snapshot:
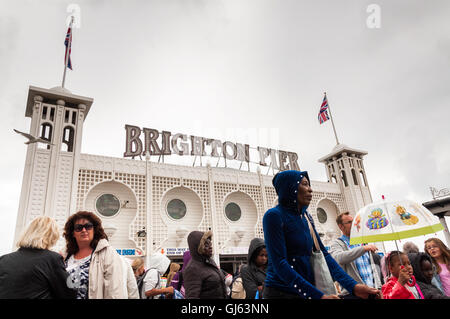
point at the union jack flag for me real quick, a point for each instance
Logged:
(323, 113)
(68, 44)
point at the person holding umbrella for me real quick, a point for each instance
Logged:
(357, 260)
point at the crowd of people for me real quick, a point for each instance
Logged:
(291, 262)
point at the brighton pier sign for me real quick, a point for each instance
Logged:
(164, 143)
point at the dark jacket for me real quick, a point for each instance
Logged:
(289, 243)
(34, 274)
(251, 275)
(202, 278)
(429, 291)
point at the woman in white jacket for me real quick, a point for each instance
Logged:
(95, 268)
(130, 284)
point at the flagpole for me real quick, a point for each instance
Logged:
(69, 45)
(332, 122)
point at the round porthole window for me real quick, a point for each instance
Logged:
(321, 215)
(233, 212)
(176, 209)
(107, 205)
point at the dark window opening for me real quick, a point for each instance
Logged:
(74, 117)
(344, 178)
(46, 134)
(363, 178)
(52, 114)
(355, 180)
(44, 112)
(68, 138)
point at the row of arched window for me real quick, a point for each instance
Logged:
(354, 177)
(67, 142)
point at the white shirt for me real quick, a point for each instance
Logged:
(151, 281)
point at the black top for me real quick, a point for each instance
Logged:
(32, 273)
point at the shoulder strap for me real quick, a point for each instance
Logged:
(313, 234)
(180, 280)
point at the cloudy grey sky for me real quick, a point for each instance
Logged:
(253, 70)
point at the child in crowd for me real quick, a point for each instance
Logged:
(440, 255)
(401, 283)
(424, 272)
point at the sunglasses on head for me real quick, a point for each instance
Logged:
(79, 227)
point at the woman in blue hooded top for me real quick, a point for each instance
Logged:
(289, 245)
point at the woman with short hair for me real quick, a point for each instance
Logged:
(94, 266)
(34, 271)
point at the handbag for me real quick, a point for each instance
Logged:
(322, 277)
(177, 294)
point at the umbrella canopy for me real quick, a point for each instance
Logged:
(392, 220)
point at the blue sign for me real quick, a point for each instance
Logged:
(126, 252)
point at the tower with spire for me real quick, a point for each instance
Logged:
(345, 166)
(51, 170)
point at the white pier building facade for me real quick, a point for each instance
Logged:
(149, 206)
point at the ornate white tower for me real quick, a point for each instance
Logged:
(344, 166)
(51, 171)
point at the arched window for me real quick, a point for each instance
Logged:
(46, 134)
(363, 177)
(344, 178)
(68, 138)
(355, 180)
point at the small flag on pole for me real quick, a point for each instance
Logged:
(323, 113)
(68, 44)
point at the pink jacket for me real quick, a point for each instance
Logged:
(392, 289)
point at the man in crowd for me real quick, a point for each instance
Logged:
(359, 261)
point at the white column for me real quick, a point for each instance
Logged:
(148, 213)
(214, 229)
(263, 196)
(446, 232)
(55, 149)
(28, 171)
(76, 157)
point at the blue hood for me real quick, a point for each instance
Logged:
(286, 185)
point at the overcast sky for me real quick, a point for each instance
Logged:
(249, 70)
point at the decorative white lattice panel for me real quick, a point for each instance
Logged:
(38, 186)
(161, 185)
(255, 193)
(158, 228)
(271, 196)
(137, 183)
(221, 191)
(202, 190)
(86, 180)
(63, 189)
(337, 199)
